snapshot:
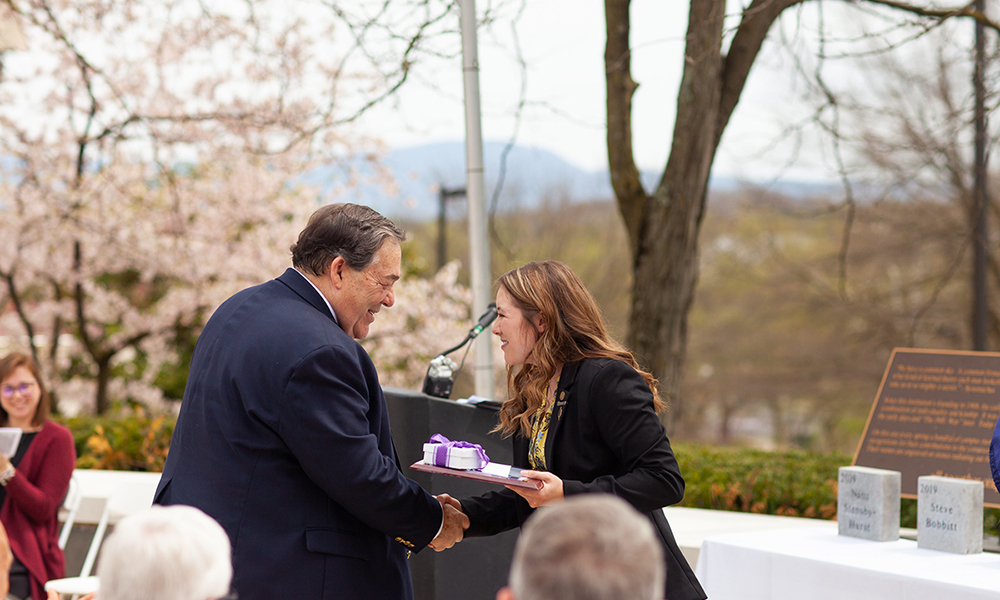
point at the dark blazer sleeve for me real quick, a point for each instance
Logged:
(621, 410)
(502, 510)
(324, 420)
(493, 513)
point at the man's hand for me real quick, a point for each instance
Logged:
(454, 526)
(446, 499)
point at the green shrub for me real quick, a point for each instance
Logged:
(795, 483)
(134, 443)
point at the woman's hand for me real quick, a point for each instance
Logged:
(4, 463)
(551, 491)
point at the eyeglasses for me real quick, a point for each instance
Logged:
(7, 391)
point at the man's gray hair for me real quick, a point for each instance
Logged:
(352, 231)
(592, 547)
(165, 553)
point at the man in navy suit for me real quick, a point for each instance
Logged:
(283, 436)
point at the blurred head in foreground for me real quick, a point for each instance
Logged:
(593, 547)
(165, 553)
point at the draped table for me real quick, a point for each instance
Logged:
(818, 564)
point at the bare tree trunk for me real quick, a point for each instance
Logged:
(779, 421)
(663, 227)
(15, 298)
(103, 377)
(727, 408)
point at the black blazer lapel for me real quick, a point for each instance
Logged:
(563, 395)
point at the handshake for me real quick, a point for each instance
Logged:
(454, 525)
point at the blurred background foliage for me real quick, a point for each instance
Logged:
(789, 333)
(791, 330)
(132, 442)
(795, 483)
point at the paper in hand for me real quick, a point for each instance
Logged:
(502, 470)
(10, 437)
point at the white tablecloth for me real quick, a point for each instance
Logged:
(818, 564)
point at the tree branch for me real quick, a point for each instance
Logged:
(21, 314)
(625, 179)
(750, 35)
(968, 10)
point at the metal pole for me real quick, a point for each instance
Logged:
(444, 194)
(479, 251)
(442, 223)
(979, 200)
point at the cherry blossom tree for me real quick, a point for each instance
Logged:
(151, 161)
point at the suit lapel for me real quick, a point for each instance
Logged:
(298, 284)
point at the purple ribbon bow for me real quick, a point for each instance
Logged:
(441, 452)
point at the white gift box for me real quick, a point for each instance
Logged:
(457, 458)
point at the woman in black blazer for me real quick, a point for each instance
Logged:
(581, 412)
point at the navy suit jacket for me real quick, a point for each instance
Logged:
(283, 437)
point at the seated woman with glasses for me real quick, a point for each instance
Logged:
(34, 481)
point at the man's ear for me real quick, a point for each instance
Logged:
(505, 593)
(338, 271)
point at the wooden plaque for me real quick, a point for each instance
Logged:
(934, 415)
(533, 484)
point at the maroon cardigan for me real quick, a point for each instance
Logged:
(30, 512)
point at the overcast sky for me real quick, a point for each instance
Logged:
(562, 43)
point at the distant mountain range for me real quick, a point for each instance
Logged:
(531, 177)
(405, 183)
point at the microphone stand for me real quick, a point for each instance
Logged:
(442, 371)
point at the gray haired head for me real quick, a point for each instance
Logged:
(166, 553)
(351, 231)
(592, 547)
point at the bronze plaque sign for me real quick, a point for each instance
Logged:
(934, 415)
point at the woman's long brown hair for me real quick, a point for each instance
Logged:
(574, 330)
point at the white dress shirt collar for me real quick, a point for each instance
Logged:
(327, 302)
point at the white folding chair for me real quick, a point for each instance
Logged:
(73, 586)
(71, 504)
(126, 499)
(85, 583)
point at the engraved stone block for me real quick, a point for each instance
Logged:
(950, 514)
(868, 503)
